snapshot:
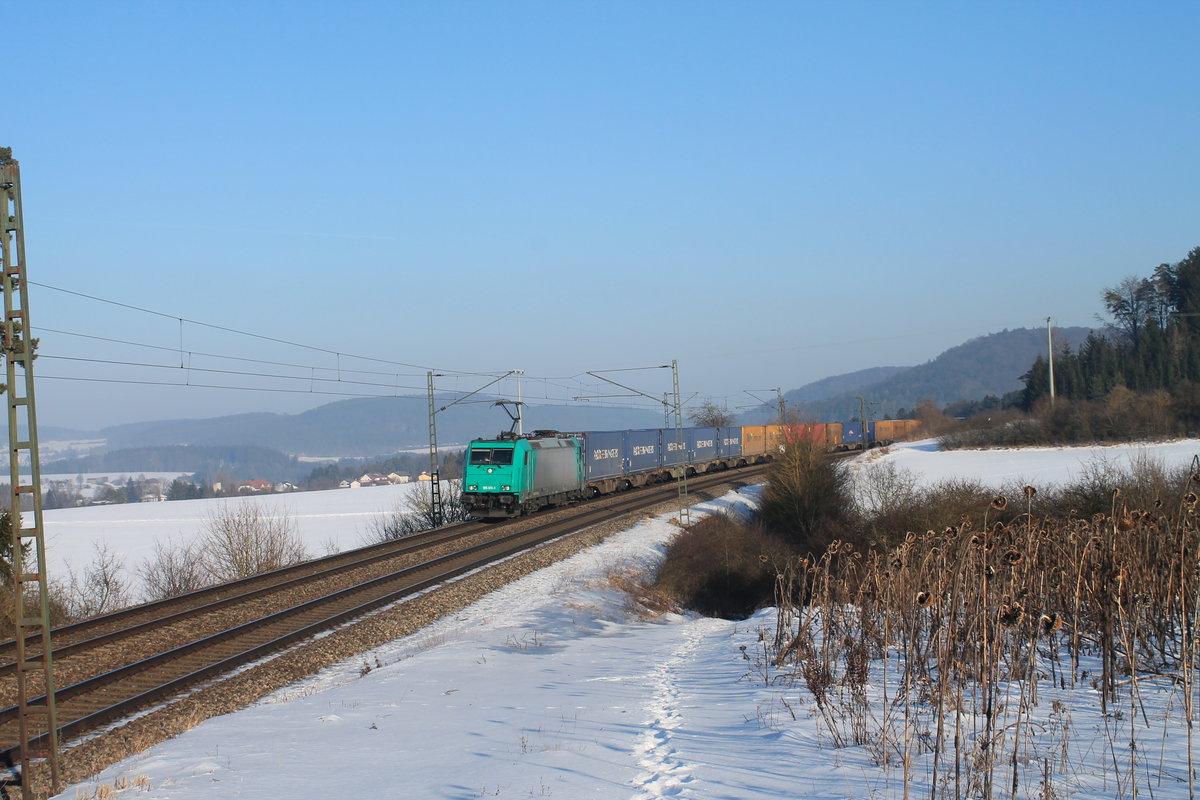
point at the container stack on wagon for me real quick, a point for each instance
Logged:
(512, 475)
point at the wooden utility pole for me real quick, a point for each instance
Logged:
(1050, 348)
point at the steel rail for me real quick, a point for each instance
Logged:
(367, 556)
(494, 550)
(347, 559)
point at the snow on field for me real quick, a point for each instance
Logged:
(327, 521)
(551, 687)
(1035, 466)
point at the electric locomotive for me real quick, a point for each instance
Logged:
(513, 475)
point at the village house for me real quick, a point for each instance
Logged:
(373, 479)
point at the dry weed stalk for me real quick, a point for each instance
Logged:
(977, 618)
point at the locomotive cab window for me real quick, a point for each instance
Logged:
(484, 455)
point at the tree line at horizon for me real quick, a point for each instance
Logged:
(210, 466)
(1151, 344)
(1138, 378)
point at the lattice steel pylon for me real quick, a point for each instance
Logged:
(37, 720)
(685, 514)
(436, 512)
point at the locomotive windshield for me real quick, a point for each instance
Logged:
(484, 455)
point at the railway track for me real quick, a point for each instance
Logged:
(110, 667)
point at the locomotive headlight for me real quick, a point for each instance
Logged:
(472, 488)
(490, 470)
(506, 488)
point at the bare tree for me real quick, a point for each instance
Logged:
(415, 513)
(420, 503)
(174, 569)
(244, 539)
(933, 420)
(390, 525)
(101, 587)
(1135, 303)
(711, 415)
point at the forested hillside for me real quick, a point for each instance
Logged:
(1138, 378)
(1152, 345)
(840, 385)
(987, 365)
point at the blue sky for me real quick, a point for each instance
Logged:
(770, 193)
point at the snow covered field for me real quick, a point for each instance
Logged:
(552, 687)
(1036, 466)
(328, 521)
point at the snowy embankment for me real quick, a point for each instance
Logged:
(554, 687)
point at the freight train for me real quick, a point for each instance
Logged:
(513, 475)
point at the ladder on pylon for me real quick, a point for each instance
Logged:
(436, 512)
(685, 514)
(37, 719)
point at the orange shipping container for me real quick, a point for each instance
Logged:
(890, 430)
(833, 434)
(754, 440)
(776, 439)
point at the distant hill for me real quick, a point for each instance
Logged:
(366, 426)
(239, 460)
(840, 384)
(986, 365)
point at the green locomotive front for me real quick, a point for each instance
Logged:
(513, 475)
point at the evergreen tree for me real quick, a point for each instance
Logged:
(6, 546)
(1037, 383)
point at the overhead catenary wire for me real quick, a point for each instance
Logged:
(228, 329)
(42, 329)
(570, 386)
(192, 368)
(219, 386)
(338, 354)
(311, 391)
(310, 378)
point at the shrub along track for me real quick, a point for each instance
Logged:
(174, 663)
